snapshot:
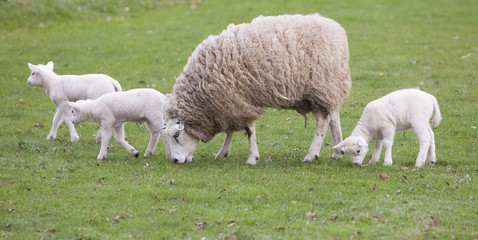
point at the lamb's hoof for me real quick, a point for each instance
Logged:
(252, 161)
(338, 154)
(221, 156)
(148, 154)
(310, 158)
(100, 157)
(190, 159)
(387, 164)
(74, 139)
(50, 137)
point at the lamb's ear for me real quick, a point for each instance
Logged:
(73, 105)
(31, 66)
(340, 145)
(362, 143)
(50, 65)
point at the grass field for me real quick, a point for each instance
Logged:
(57, 189)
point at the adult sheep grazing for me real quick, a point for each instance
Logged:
(63, 88)
(284, 62)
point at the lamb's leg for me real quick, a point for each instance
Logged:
(153, 140)
(421, 131)
(387, 144)
(226, 146)
(119, 137)
(98, 135)
(66, 111)
(106, 132)
(336, 132)
(253, 150)
(431, 158)
(376, 153)
(57, 119)
(321, 124)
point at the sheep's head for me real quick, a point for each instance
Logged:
(181, 144)
(38, 73)
(356, 147)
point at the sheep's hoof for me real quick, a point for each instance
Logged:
(252, 161)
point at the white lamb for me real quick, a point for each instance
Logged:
(63, 88)
(112, 110)
(382, 118)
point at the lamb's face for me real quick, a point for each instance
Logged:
(181, 144)
(357, 149)
(77, 114)
(37, 76)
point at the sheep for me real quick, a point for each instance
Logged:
(63, 88)
(291, 62)
(112, 110)
(382, 118)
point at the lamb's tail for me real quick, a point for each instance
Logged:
(437, 115)
(117, 86)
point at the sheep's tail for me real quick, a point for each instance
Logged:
(117, 86)
(437, 115)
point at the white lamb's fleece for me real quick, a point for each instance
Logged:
(382, 118)
(112, 110)
(296, 62)
(63, 88)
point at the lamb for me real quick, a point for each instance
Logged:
(291, 62)
(397, 111)
(112, 110)
(63, 88)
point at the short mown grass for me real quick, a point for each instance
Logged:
(57, 189)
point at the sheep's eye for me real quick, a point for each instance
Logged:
(33, 73)
(358, 151)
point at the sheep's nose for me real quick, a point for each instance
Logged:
(358, 164)
(175, 160)
(343, 152)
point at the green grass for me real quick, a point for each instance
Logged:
(57, 189)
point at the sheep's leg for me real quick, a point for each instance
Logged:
(119, 137)
(387, 145)
(321, 124)
(226, 146)
(106, 132)
(336, 132)
(153, 140)
(253, 150)
(431, 158)
(66, 111)
(421, 131)
(57, 119)
(376, 152)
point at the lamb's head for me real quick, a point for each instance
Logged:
(356, 147)
(78, 111)
(181, 144)
(39, 73)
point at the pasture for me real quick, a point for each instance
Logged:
(57, 189)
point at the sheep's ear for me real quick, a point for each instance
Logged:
(340, 145)
(179, 125)
(50, 65)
